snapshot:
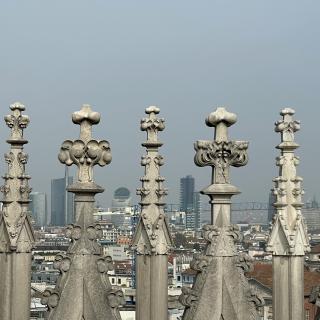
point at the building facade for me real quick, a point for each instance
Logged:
(190, 202)
(186, 193)
(121, 199)
(62, 206)
(38, 208)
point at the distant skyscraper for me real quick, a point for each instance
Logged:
(38, 208)
(197, 209)
(190, 202)
(186, 193)
(121, 199)
(61, 202)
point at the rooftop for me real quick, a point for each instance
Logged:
(263, 273)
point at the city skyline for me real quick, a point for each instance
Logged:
(160, 160)
(224, 267)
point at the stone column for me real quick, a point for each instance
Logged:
(16, 234)
(288, 240)
(83, 290)
(221, 291)
(152, 239)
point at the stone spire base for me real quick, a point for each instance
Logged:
(220, 290)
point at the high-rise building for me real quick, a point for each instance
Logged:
(197, 209)
(186, 193)
(190, 202)
(62, 204)
(38, 208)
(121, 199)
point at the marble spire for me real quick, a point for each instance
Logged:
(83, 291)
(152, 239)
(288, 241)
(16, 233)
(221, 290)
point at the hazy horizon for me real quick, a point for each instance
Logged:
(186, 57)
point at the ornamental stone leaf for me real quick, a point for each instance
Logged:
(221, 155)
(115, 297)
(9, 158)
(200, 262)
(288, 235)
(50, 298)
(152, 123)
(105, 264)
(62, 263)
(189, 297)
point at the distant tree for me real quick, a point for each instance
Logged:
(180, 240)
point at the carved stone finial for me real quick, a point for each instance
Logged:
(152, 109)
(221, 115)
(287, 126)
(85, 152)
(16, 189)
(288, 236)
(152, 125)
(221, 153)
(287, 111)
(16, 121)
(221, 119)
(86, 118)
(219, 267)
(16, 232)
(152, 191)
(288, 241)
(152, 239)
(84, 269)
(17, 106)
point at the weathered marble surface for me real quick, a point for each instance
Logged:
(16, 233)
(83, 291)
(152, 240)
(288, 240)
(221, 290)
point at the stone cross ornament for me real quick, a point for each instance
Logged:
(287, 126)
(152, 125)
(17, 121)
(85, 152)
(221, 153)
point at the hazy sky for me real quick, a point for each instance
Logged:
(187, 57)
